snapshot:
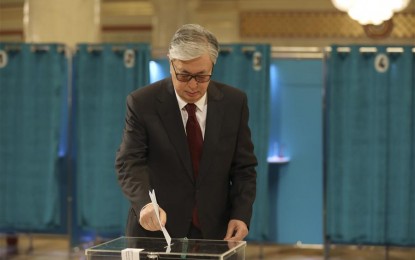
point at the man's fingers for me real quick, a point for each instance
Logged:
(154, 224)
(237, 230)
(148, 219)
(239, 235)
(230, 231)
(150, 224)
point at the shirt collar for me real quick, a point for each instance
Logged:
(200, 104)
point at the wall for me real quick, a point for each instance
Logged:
(280, 23)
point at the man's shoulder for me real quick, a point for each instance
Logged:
(228, 91)
(151, 89)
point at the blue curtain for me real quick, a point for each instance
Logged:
(32, 94)
(370, 143)
(248, 67)
(103, 77)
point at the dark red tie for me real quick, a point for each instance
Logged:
(195, 140)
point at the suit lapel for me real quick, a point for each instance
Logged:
(214, 119)
(169, 113)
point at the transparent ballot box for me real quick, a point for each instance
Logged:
(156, 248)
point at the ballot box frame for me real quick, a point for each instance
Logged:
(181, 248)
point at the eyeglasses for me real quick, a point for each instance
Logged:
(188, 77)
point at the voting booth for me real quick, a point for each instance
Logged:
(135, 248)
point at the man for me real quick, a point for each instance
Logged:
(202, 165)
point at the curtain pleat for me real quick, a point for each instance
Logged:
(32, 91)
(103, 77)
(370, 148)
(248, 67)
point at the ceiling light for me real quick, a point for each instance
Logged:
(370, 11)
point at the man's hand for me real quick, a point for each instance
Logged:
(237, 230)
(148, 218)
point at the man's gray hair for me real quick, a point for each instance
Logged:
(192, 41)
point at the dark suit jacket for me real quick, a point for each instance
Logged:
(154, 155)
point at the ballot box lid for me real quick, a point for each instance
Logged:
(180, 248)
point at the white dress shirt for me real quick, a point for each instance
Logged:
(201, 112)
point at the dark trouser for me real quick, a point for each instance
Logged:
(194, 233)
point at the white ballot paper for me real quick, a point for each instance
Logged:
(131, 254)
(156, 209)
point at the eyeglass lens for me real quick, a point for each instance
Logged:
(187, 77)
